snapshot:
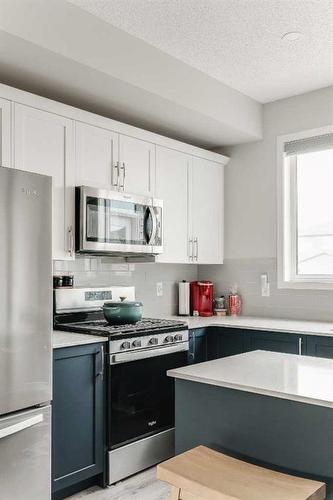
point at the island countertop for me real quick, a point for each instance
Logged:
(288, 376)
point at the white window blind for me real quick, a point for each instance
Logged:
(309, 145)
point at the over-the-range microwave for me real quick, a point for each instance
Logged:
(111, 222)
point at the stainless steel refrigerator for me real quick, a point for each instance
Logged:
(25, 335)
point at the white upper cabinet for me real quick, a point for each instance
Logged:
(136, 166)
(96, 157)
(44, 144)
(76, 147)
(206, 211)
(192, 192)
(172, 187)
(5, 134)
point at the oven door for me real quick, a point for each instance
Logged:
(141, 395)
(109, 221)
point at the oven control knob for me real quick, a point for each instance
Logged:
(153, 341)
(178, 337)
(169, 338)
(136, 343)
(125, 345)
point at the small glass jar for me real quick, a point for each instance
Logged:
(57, 281)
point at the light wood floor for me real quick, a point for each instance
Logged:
(143, 486)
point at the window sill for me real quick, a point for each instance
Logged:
(305, 285)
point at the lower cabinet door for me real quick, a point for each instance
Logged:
(197, 346)
(223, 342)
(278, 342)
(77, 417)
(322, 347)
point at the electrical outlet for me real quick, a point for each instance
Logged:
(265, 289)
(159, 289)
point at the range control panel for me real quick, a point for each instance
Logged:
(148, 341)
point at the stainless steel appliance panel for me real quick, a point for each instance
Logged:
(140, 455)
(118, 223)
(25, 292)
(25, 455)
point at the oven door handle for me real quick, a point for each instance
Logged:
(127, 357)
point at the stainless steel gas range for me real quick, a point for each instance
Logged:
(140, 396)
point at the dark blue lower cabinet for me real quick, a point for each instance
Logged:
(197, 346)
(274, 341)
(78, 437)
(321, 347)
(220, 342)
(223, 342)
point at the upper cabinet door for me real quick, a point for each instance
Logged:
(172, 187)
(137, 166)
(96, 157)
(206, 202)
(44, 144)
(5, 134)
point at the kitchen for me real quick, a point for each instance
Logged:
(169, 239)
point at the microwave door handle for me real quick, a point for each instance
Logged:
(154, 229)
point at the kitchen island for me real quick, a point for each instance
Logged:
(269, 408)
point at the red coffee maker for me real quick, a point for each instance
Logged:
(202, 298)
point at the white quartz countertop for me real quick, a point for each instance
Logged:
(68, 339)
(288, 376)
(257, 323)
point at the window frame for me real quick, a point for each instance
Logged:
(287, 276)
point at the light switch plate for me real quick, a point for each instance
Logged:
(265, 288)
(159, 289)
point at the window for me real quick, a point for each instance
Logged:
(305, 225)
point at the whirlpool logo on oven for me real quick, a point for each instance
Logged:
(152, 423)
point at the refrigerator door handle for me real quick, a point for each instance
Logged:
(20, 426)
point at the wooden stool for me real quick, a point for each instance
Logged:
(204, 474)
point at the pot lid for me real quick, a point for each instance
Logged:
(122, 303)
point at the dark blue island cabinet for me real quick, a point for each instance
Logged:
(78, 437)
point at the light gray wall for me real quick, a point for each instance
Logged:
(250, 214)
(97, 271)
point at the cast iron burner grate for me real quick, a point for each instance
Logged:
(103, 327)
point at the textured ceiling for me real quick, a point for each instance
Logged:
(235, 41)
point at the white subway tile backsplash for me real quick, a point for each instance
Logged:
(291, 304)
(102, 271)
(282, 303)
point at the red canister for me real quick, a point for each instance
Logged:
(234, 304)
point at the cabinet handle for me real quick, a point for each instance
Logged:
(100, 373)
(194, 347)
(190, 249)
(196, 244)
(149, 173)
(300, 343)
(115, 174)
(123, 168)
(70, 241)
